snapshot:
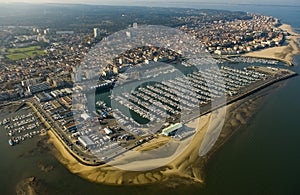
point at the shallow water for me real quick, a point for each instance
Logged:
(263, 157)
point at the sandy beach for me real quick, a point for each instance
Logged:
(283, 53)
(186, 164)
(112, 175)
(185, 160)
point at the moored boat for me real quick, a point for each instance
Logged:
(11, 142)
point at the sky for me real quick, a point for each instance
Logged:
(158, 2)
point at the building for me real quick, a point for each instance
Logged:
(128, 34)
(71, 127)
(46, 31)
(86, 142)
(115, 70)
(66, 102)
(43, 97)
(4, 96)
(58, 82)
(64, 32)
(135, 25)
(167, 131)
(44, 86)
(107, 131)
(28, 82)
(96, 32)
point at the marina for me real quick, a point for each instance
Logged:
(110, 130)
(168, 98)
(251, 60)
(177, 100)
(22, 127)
(261, 157)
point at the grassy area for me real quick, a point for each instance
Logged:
(25, 52)
(16, 56)
(24, 49)
(35, 53)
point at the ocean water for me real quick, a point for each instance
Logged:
(286, 13)
(262, 158)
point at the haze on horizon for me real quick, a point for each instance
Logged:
(157, 2)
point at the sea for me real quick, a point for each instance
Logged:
(261, 158)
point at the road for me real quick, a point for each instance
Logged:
(67, 142)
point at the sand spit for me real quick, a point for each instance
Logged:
(283, 53)
(112, 175)
(187, 167)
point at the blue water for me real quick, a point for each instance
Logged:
(262, 158)
(286, 13)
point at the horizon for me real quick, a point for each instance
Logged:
(150, 3)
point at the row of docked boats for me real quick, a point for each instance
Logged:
(168, 98)
(21, 127)
(16, 140)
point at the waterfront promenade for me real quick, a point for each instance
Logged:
(276, 75)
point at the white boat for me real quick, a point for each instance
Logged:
(11, 142)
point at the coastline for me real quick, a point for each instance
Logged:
(283, 53)
(188, 167)
(185, 166)
(112, 175)
(256, 151)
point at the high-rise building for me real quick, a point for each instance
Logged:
(96, 32)
(128, 34)
(46, 31)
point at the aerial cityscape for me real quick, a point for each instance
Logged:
(148, 99)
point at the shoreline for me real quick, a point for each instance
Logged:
(111, 175)
(187, 167)
(180, 164)
(283, 53)
(184, 166)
